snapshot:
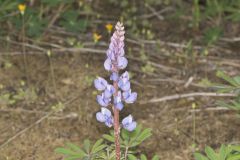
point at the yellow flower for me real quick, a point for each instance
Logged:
(96, 37)
(109, 27)
(22, 8)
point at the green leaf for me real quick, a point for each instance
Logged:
(108, 137)
(235, 148)
(144, 135)
(74, 147)
(210, 153)
(64, 151)
(86, 145)
(97, 144)
(223, 152)
(143, 157)
(237, 80)
(199, 156)
(227, 78)
(140, 137)
(211, 35)
(73, 158)
(132, 157)
(99, 148)
(234, 157)
(125, 135)
(156, 157)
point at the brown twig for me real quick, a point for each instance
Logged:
(56, 16)
(157, 14)
(177, 81)
(194, 94)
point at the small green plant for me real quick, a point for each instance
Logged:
(196, 14)
(225, 153)
(232, 85)
(148, 68)
(103, 149)
(212, 35)
(72, 23)
(6, 99)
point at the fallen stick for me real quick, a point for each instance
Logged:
(194, 94)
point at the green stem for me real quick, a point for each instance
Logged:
(24, 50)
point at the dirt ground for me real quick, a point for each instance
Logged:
(29, 130)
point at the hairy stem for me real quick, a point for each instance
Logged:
(126, 153)
(116, 125)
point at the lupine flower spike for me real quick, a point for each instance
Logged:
(114, 95)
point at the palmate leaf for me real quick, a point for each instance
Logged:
(143, 157)
(132, 157)
(75, 148)
(98, 146)
(211, 153)
(70, 154)
(235, 148)
(155, 157)
(146, 133)
(86, 145)
(235, 155)
(108, 137)
(73, 152)
(225, 153)
(199, 156)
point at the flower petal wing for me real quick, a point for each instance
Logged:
(108, 64)
(131, 98)
(122, 62)
(114, 76)
(100, 83)
(130, 127)
(127, 120)
(100, 117)
(106, 112)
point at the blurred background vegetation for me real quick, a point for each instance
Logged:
(51, 50)
(212, 19)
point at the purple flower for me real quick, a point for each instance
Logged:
(105, 116)
(109, 91)
(100, 83)
(122, 62)
(118, 101)
(103, 101)
(110, 54)
(108, 64)
(115, 61)
(115, 53)
(128, 123)
(129, 97)
(123, 82)
(114, 76)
